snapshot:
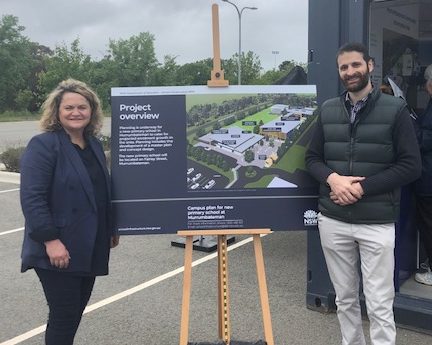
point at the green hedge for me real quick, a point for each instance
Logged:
(11, 157)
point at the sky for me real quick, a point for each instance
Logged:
(276, 31)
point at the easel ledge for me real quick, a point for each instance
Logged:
(216, 232)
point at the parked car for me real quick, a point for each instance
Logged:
(209, 184)
(190, 171)
(194, 186)
(196, 177)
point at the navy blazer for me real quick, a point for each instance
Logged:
(58, 200)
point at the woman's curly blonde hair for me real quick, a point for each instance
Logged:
(50, 108)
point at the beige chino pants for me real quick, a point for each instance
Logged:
(344, 246)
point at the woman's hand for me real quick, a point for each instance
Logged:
(57, 253)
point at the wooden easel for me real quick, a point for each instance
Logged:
(217, 73)
(217, 80)
(223, 293)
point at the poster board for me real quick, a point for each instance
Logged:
(194, 157)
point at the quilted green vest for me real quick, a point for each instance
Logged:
(360, 149)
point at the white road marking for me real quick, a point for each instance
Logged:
(38, 330)
(25, 336)
(10, 232)
(9, 190)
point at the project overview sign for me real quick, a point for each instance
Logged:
(194, 157)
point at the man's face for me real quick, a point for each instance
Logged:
(354, 71)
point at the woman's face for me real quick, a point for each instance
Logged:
(74, 113)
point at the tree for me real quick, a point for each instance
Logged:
(23, 99)
(240, 115)
(225, 166)
(229, 120)
(30, 70)
(287, 66)
(100, 77)
(250, 171)
(212, 159)
(269, 77)
(250, 68)
(200, 132)
(65, 63)
(134, 60)
(249, 156)
(216, 125)
(273, 76)
(280, 151)
(40, 55)
(16, 64)
(195, 73)
(167, 73)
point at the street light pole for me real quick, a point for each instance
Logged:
(275, 52)
(239, 13)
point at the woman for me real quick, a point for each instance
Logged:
(65, 198)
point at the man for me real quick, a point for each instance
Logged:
(363, 151)
(424, 184)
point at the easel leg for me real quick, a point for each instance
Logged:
(223, 296)
(187, 279)
(262, 284)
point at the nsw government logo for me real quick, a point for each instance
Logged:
(310, 218)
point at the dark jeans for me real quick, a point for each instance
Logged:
(67, 296)
(424, 223)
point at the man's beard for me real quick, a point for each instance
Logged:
(363, 80)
